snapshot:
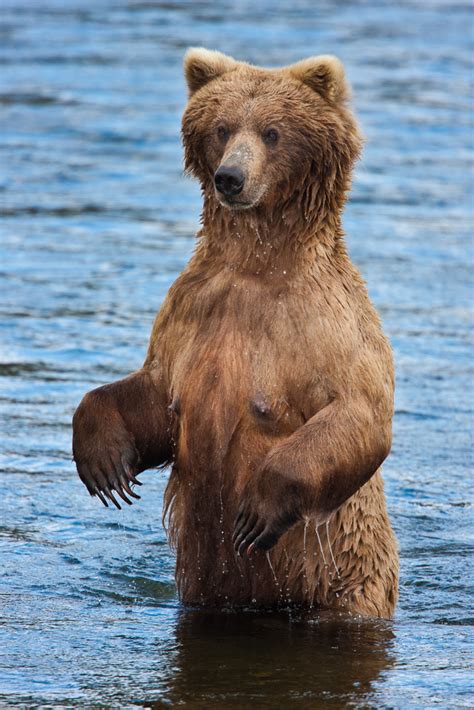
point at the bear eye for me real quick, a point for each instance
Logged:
(270, 136)
(222, 132)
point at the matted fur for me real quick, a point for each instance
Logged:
(267, 359)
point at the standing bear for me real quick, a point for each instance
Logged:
(268, 383)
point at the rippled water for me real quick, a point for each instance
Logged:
(97, 223)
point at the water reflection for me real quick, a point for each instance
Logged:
(274, 659)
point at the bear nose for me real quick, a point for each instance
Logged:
(229, 180)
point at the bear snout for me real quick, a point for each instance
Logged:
(229, 180)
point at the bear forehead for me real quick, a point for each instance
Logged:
(252, 82)
(262, 92)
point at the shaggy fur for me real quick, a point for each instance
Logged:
(268, 381)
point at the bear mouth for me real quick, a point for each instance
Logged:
(235, 204)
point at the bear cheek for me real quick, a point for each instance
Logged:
(283, 166)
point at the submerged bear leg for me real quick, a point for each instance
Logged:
(119, 430)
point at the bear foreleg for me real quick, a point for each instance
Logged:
(119, 430)
(312, 472)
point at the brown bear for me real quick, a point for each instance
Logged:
(268, 383)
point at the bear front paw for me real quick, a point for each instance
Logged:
(271, 504)
(104, 452)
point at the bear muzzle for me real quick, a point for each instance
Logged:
(238, 178)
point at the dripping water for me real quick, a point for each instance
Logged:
(330, 550)
(320, 546)
(304, 553)
(267, 555)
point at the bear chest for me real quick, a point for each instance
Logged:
(238, 361)
(233, 395)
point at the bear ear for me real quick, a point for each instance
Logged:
(324, 74)
(202, 65)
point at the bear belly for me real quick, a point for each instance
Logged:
(349, 564)
(227, 415)
(224, 423)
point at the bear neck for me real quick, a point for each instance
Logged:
(262, 240)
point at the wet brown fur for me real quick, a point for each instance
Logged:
(268, 381)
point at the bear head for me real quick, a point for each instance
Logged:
(258, 138)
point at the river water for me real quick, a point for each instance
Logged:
(97, 221)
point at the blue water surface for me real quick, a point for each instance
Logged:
(97, 221)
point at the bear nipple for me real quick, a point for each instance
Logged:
(259, 406)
